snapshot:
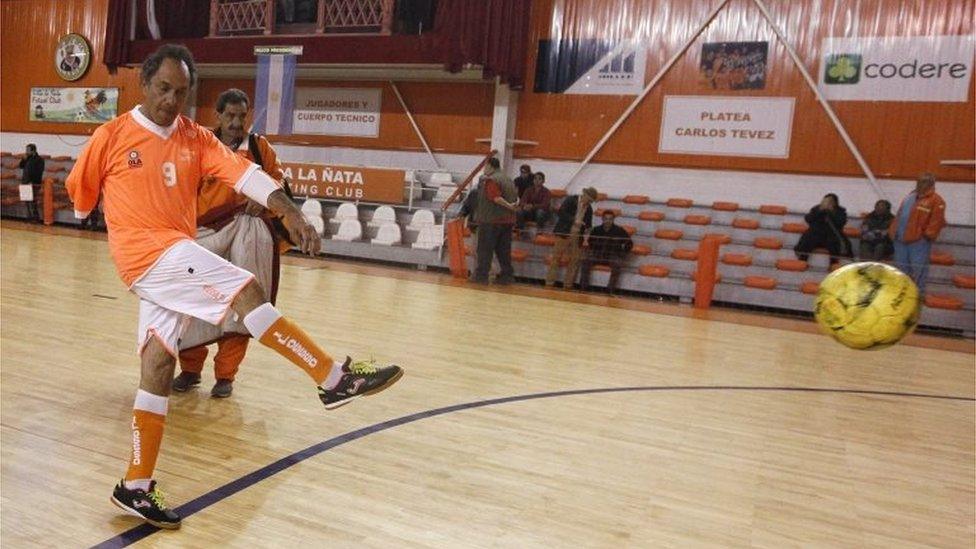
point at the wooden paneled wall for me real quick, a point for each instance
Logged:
(30, 33)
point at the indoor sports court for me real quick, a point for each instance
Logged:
(647, 273)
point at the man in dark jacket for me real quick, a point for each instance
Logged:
(574, 218)
(609, 245)
(524, 179)
(33, 171)
(826, 230)
(495, 216)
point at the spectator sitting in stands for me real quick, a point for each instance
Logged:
(826, 221)
(609, 245)
(524, 179)
(535, 203)
(875, 242)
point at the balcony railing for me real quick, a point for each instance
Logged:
(258, 17)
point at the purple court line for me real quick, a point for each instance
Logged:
(216, 495)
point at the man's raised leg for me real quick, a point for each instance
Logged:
(338, 384)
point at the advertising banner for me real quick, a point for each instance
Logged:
(884, 68)
(77, 105)
(345, 182)
(337, 111)
(590, 67)
(727, 126)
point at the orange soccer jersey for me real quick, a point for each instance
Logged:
(149, 177)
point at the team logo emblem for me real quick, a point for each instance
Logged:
(843, 68)
(134, 160)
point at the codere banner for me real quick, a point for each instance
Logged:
(885, 68)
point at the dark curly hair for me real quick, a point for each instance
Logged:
(176, 52)
(232, 96)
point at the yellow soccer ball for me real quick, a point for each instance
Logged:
(867, 305)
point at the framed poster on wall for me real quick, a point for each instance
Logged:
(77, 105)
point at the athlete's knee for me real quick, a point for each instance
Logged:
(249, 298)
(158, 365)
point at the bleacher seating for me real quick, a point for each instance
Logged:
(383, 215)
(421, 219)
(347, 211)
(388, 234)
(312, 210)
(430, 238)
(349, 230)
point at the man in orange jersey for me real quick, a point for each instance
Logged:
(148, 163)
(242, 232)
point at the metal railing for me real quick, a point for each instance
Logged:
(258, 17)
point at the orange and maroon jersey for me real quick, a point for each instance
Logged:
(149, 176)
(215, 198)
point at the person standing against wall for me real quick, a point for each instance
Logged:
(33, 171)
(918, 223)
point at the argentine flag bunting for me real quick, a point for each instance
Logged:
(274, 99)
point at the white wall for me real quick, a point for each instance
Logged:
(798, 192)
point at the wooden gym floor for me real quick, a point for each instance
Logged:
(522, 421)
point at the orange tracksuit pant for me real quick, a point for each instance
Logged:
(230, 354)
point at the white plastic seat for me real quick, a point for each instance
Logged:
(349, 230)
(388, 235)
(312, 210)
(430, 238)
(440, 179)
(346, 211)
(421, 219)
(382, 216)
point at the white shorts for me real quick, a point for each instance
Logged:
(186, 281)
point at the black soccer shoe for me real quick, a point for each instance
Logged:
(360, 378)
(185, 381)
(148, 506)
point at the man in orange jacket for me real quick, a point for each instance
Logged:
(920, 218)
(229, 222)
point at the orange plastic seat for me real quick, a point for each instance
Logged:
(519, 255)
(680, 202)
(722, 237)
(942, 258)
(543, 239)
(557, 193)
(563, 261)
(740, 260)
(745, 223)
(794, 265)
(768, 243)
(601, 267)
(668, 234)
(852, 232)
(794, 228)
(650, 216)
(725, 206)
(601, 211)
(636, 199)
(772, 209)
(963, 281)
(630, 229)
(8, 176)
(640, 249)
(943, 302)
(654, 271)
(761, 282)
(694, 219)
(61, 158)
(810, 287)
(685, 254)
(718, 277)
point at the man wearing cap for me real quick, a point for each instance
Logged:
(918, 223)
(574, 218)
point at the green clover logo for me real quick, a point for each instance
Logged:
(843, 68)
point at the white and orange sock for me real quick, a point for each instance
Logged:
(148, 419)
(284, 337)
